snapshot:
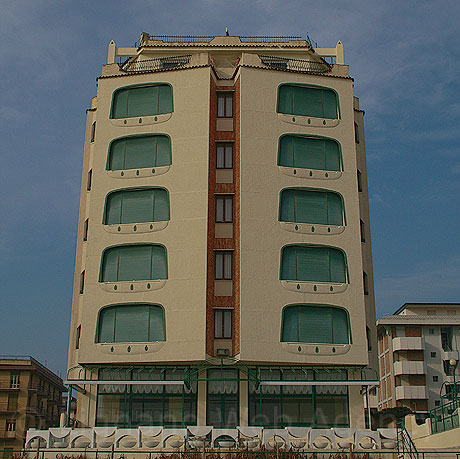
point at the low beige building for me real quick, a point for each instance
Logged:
(30, 397)
(223, 269)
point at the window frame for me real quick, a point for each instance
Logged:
(225, 312)
(225, 95)
(224, 145)
(140, 85)
(89, 180)
(223, 253)
(225, 217)
(93, 132)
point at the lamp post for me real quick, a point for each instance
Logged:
(453, 364)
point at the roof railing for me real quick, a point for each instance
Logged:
(300, 65)
(160, 63)
(208, 38)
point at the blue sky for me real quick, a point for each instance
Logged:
(404, 57)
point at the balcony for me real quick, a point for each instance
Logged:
(409, 368)
(299, 65)
(411, 393)
(450, 355)
(8, 409)
(161, 63)
(7, 434)
(408, 344)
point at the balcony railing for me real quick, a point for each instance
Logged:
(208, 38)
(411, 343)
(411, 393)
(7, 434)
(410, 368)
(161, 63)
(445, 417)
(300, 65)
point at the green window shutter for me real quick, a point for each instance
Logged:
(140, 152)
(308, 102)
(106, 326)
(287, 211)
(110, 265)
(159, 264)
(310, 207)
(286, 151)
(340, 326)
(312, 264)
(135, 262)
(142, 101)
(163, 151)
(120, 104)
(330, 104)
(137, 206)
(288, 263)
(117, 155)
(290, 325)
(156, 324)
(315, 325)
(332, 152)
(113, 209)
(161, 211)
(334, 209)
(338, 267)
(308, 153)
(285, 99)
(165, 99)
(132, 324)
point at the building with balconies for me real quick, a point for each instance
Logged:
(30, 397)
(223, 268)
(417, 346)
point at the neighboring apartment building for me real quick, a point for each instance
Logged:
(223, 268)
(30, 396)
(416, 345)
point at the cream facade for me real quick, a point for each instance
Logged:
(235, 286)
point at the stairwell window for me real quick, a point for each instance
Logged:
(139, 152)
(131, 323)
(142, 100)
(136, 206)
(356, 133)
(362, 231)
(224, 265)
(304, 205)
(82, 282)
(309, 152)
(224, 153)
(365, 283)
(315, 324)
(93, 131)
(85, 230)
(224, 209)
(89, 180)
(134, 262)
(223, 323)
(224, 105)
(77, 337)
(360, 185)
(305, 100)
(308, 263)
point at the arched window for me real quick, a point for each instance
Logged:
(305, 263)
(136, 206)
(134, 262)
(131, 323)
(315, 324)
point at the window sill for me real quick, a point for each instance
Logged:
(132, 228)
(140, 120)
(312, 174)
(314, 287)
(138, 173)
(316, 349)
(132, 287)
(130, 348)
(308, 120)
(307, 228)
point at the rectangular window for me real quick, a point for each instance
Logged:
(362, 231)
(446, 338)
(365, 284)
(10, 426)
(435, 379)
(223, 323)
(93, 131)
(224, 153)
(82, 282)
(224, 105)
(224, 209)
(89, 180)
(12, 402)
(224, 265)
(85, 230)
(222, 408)
(356, 133)
(360, 186)
(368, 337)
(77, 337)
(431, 331)
(433, 354)
(14, 380)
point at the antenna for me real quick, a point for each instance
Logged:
(226, 31)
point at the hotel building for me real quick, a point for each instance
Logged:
(223, 269)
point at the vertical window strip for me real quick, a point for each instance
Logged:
(82, 282)
(89, 180)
